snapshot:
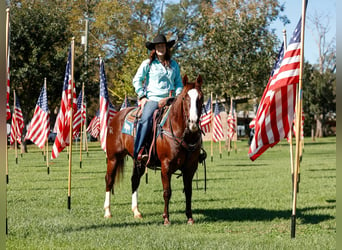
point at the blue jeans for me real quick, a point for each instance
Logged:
(144, 125)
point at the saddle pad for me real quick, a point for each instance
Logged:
(128, 126)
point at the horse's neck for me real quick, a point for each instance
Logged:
(176, 114)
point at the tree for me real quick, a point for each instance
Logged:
(322, 85)
(38, 48)
(234, 49)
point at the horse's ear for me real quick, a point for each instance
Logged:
(185, 80)
(199, 81)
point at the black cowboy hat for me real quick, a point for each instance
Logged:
(159, 39)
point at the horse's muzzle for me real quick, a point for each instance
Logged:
(193, 126)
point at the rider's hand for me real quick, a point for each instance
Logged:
(142, 102)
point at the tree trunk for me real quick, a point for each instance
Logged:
(313, 133)
(319, 129)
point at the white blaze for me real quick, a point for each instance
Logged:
(193, 109)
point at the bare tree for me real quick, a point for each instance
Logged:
(326, 48)
(324, 81)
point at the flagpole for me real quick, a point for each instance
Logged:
(70, 117)
(211, 123)
(298, 123)
(47, 141)
(7, 52)
(85, 132)
(231, 113)
(81, 126)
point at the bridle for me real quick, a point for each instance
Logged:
(190, 147)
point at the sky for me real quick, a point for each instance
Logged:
(293, 11)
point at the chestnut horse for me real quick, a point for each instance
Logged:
(177, 148)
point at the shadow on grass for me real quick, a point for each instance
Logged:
(216, 215)
(261, 214)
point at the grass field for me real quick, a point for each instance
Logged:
(247, 205)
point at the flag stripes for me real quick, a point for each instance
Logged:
(17, 125)
(63, 117)
(94, 126)
(205, 119)
(107, 110)
(276, 109)
(80, 115)
(231, 121)
(217, 126)
(39, 127)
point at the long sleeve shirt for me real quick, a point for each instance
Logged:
(158, 80)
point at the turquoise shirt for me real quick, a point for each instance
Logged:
(159, 80)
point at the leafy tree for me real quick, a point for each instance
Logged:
(235, 49)
(39, 42)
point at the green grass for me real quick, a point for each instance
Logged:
(247, 204)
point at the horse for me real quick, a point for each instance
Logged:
(177, 145)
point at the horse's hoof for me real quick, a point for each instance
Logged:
(191, 221)
(138, 216)
(167, 223)
(107, 216)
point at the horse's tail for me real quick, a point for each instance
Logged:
(119, 170)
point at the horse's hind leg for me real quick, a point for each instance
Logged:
(112, 167)
(138, 171)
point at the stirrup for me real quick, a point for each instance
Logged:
(142, 156)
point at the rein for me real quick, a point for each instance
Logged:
(190, 147)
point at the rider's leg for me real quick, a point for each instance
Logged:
(144, 125)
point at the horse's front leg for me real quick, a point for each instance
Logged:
(187, 181)
(138, 171)
(166, 180)
(109, 178)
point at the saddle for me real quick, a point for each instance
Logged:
(159, 117)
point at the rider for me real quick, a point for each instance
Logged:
(161, 77)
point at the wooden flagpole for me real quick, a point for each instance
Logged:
(290, 136)
(7, 54)
(47, 141)
(81, 128)
(212, 128)
(47, 158)
(298, 123)
(71, 119)
(85, 131)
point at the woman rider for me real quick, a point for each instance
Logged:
(161, 77)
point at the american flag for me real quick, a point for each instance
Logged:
(80, 115)
(125, 103)
(231, 120)
(111, 112)
(94, 125)
(8, 111)
(205, 118)
(63, 117)
(276, 110)
(107, 110)
(39, 127)
(17, 123)
(217, 127)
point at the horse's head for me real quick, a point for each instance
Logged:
(193, 99)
